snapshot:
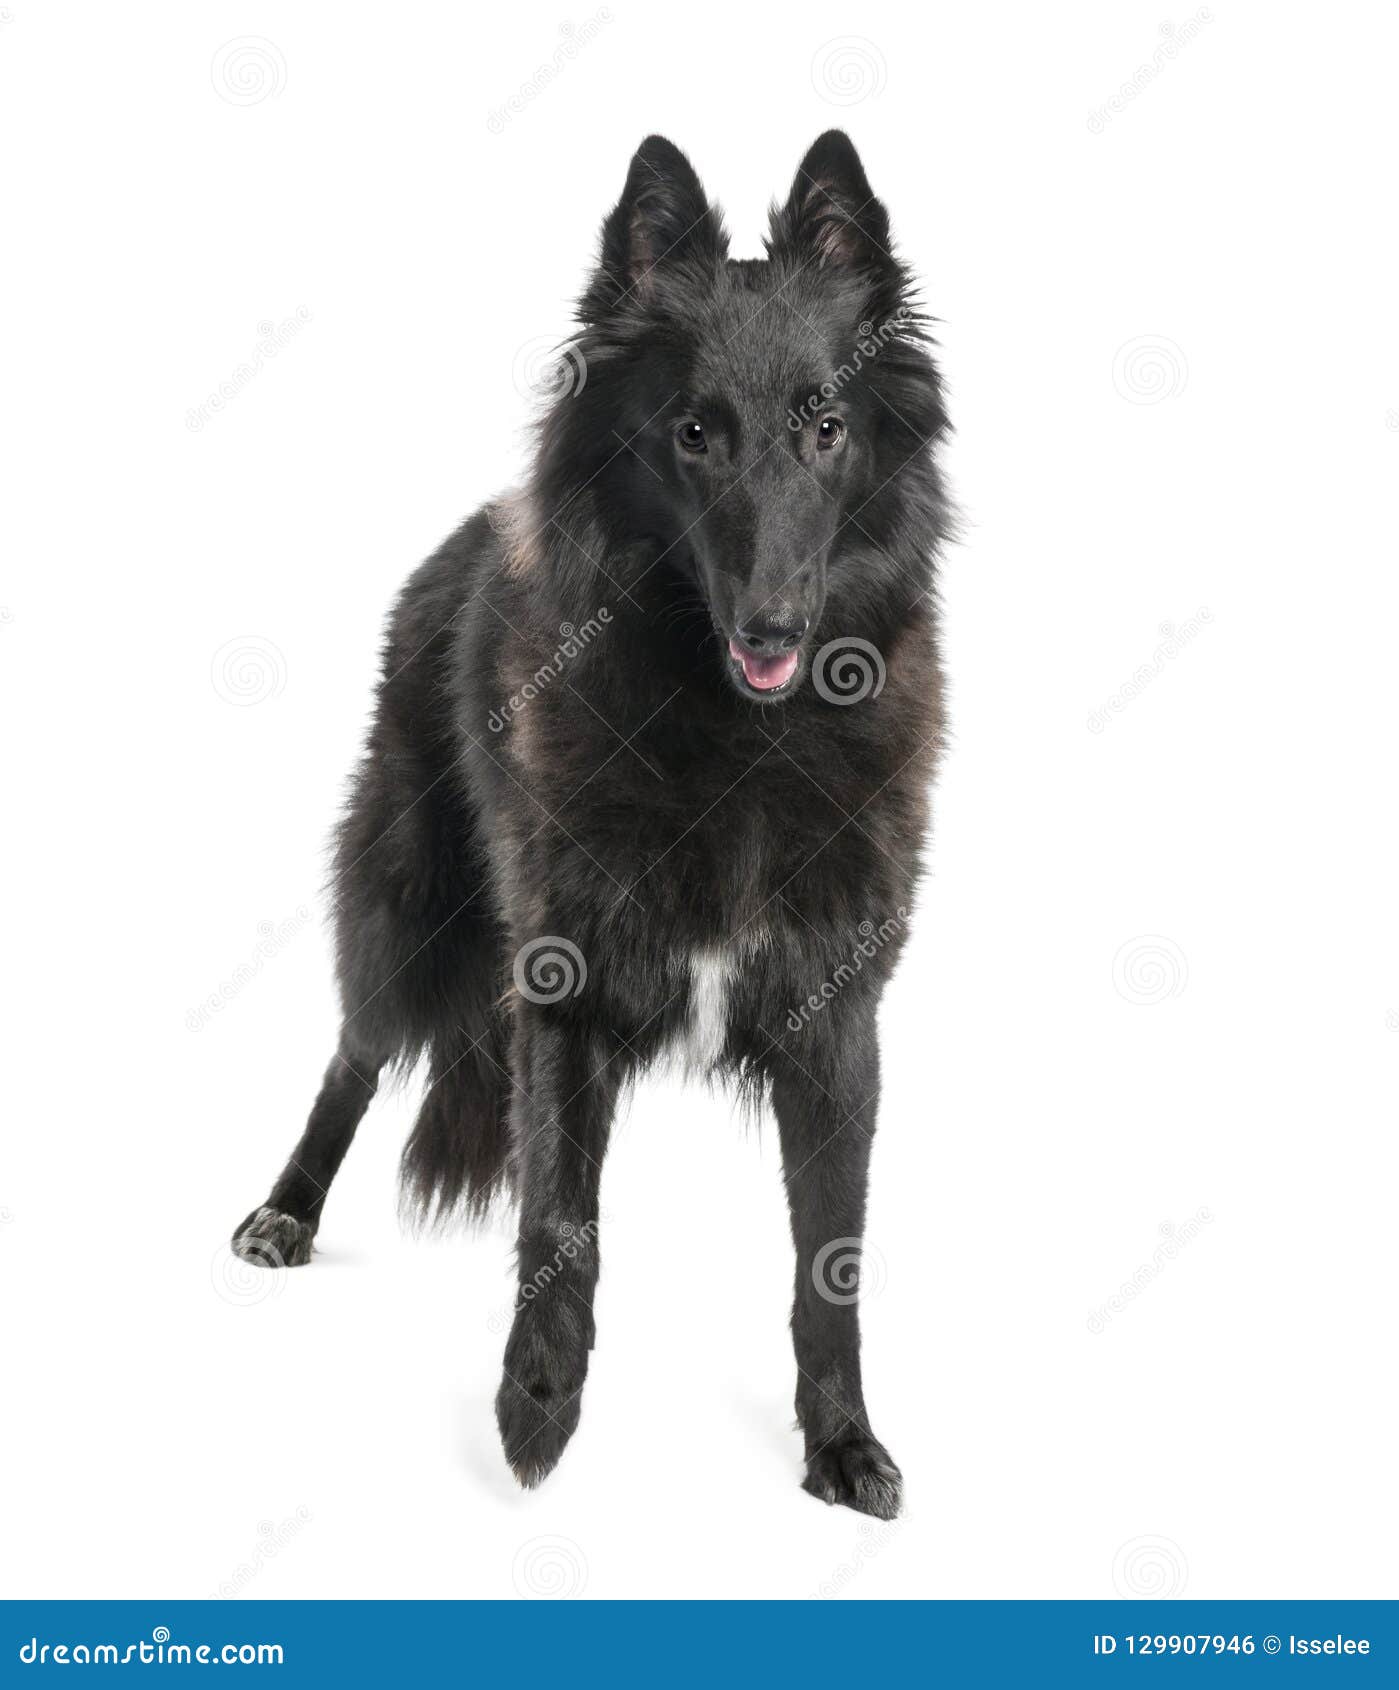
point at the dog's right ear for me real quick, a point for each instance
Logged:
(832, 217)
(662, 218)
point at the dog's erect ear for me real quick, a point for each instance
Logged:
(831, 216)
(662, 218)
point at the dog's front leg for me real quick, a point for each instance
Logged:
(825, 1119)
(565, 1095)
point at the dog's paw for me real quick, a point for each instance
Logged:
(273, 1240)
(536, 1420)
(858, 1473)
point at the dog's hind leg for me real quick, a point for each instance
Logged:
(567, 1092)
(279, 1232)
(825, 1121)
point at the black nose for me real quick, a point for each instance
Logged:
(766, 636)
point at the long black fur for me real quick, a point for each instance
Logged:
(585, 813)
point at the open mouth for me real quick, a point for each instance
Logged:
(764, 674)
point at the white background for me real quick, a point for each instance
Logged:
(1154, 983)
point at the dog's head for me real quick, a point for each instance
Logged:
(755, 411)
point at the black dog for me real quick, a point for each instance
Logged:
(649, 771)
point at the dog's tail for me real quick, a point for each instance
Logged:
(457, 1160)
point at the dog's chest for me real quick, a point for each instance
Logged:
(699, 1038)
(719, 847)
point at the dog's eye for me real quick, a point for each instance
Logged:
(829, 432)
(691, 437)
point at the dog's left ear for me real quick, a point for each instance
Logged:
(832, 216)
(662, 218)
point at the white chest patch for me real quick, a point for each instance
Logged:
(700, 1041)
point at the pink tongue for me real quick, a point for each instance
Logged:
(764, 673)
